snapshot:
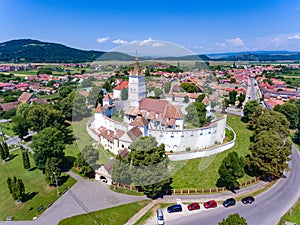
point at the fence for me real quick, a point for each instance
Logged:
(190, 191)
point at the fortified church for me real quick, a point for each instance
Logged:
(151, 117)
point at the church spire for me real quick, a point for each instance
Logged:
(136, 70)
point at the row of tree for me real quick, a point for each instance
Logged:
(16, 188)
(4, 151)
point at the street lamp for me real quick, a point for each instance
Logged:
(56, 183)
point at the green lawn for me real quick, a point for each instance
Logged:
(38, 192)
(203, 172)
(293, 215)
(84, 139)
(118, 215)
(7, 128)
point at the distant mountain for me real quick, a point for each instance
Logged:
(256, 56)
(187, 57)
(27, 50)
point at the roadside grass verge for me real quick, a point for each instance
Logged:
(293, 215)
(203, 172)
(117, 215)
(37, 191)
(126, 191)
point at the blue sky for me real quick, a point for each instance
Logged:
(201, 26)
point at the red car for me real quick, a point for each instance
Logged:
(193, 206)
(210, 204)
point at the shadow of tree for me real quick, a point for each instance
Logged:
(11, 157)
(28, 196)
(62, 180)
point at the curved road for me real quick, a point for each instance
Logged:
(267, 209)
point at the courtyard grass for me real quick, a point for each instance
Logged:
(117, 215)
(38, 192)
(293, 215)
(203, 172)
(7, 128)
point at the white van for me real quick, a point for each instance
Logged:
(160, 217)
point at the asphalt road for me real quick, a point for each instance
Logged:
(267, 209)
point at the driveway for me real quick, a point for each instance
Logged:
(85, 196)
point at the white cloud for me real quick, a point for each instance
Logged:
(102, 40)
(145, 42)
(120, 42)
(198, 47)
(223, 44)
(296, 36)
(158, 44)
(235, 41)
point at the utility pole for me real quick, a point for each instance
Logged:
(56, 183)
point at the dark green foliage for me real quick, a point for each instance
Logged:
(158, 92)
(249, 109)
(4, 150)
(190, 88)
(52, 170)
(124, 94)
(46, 144)
(16, 188)
(82, 165)
(196, 114)
(232, 80)
(149, 166)
(107, 86)
(96, 96)
(269, 154)
(186, 99)
(200, 98)
(167, 87)
(121, 171)
(232, 97)
(241, 99)
(88, 82)
(90, 154)
(233, 219)
(20, 126)
(291, 113)
(64, 91)
(10, 98)
(8, 114)
(273, 121)
(25, 157)
(231, 168)
(79, 109)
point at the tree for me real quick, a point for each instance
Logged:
(186, 99)
(16, 188)
(64, 91)
(121, 171)
(2, 154)
(190, 88)
(249, 108)
(52, 170)
(46, 144)
(149, 166)
(196, 114)
(233, 219)
(273, 121)
(158, 92)
(232, 97)
(241, 99)
(291, 113)
(269, 154)
(232, 80)
(20, 126)
(95, 96)
(82, 165)
(124, 94)
(90, 154)
(167, 87)
(258, 111)
(231, 168)
(25, 157)
(200, 98)
(107, 86)
(79, 110)
(66, 105)
(213, 104)
(5, 150)
(43, 116)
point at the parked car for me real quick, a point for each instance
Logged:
(210, 204)
(248, 199)
(193, 206)
(160, 217)
(229, 202)
(174, 208)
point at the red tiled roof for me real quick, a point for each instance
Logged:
(123, 84)
(171, 122)
(173, 112)
(119, 134)
(139, 121)
(133, 110)
(151, 115)
(99, 109)
(134, 133)
(9, 106)
(150, 104)
(107, 97)
(25, 97)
